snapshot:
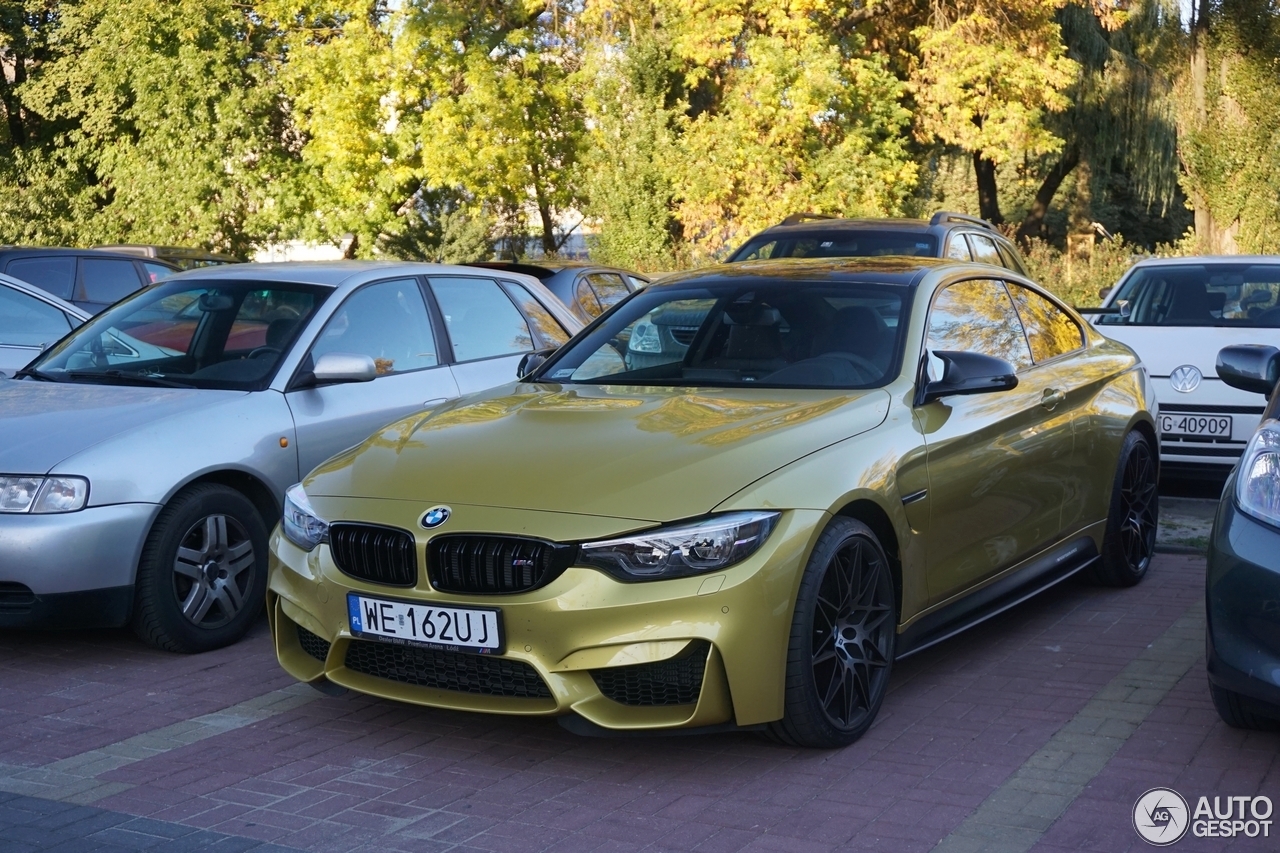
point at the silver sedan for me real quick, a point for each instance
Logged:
(30, 320)
(144, 458)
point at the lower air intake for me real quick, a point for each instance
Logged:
(313, 645)
(677, 681)
(487, 676)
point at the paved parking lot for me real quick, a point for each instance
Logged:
(1038, 730)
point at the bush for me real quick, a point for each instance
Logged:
(1077, 278)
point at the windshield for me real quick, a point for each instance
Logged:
(1200, 295)
(189, 333)
(783, 334)
(849, 244)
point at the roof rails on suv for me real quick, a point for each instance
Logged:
(797, 218)
(942, 217)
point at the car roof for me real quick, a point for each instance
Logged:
(547, 269)
(900, 270)
(68, 250)
(826, 226)
(1208, 260)
(331, 273)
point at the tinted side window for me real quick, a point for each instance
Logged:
(610, 289)
(388, 322)
(1010, 258)
(984, 250)
(155, 272)
(958, 249)
(481, 319)
(978, 316)
(547, 326)
(106, 280)
(586, 299)
(1050, 330)
(26, 321)
(54, 275)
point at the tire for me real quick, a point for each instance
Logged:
(1238, 712)
(1130, 540)
(835, 686)
(203, 573)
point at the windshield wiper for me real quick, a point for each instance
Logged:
(35, 373)
(127, 378)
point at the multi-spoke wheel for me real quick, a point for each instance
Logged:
(203, 571)
(1130, 539)
(842, 640)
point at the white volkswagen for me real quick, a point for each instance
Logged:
(1177, 313)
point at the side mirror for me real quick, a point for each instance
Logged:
(532, 361)
(335, 367)
(969, 373)
(1250, 367)
(1104, 292)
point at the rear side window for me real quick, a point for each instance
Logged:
(586, 299)
(1050, 331)
(958, 249)
(1010, 258)
(106, 280)
(978, 316)
(984, 250)
(27, 322)
(610, 289)
(481, 319)
(547, 327)
(155, 272)
(52, 274)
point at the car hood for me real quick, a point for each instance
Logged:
(651, 454)
(1165, 348)
(43, 423)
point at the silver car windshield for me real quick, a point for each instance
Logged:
(786, 334)
(1200, 295)
(190, 333)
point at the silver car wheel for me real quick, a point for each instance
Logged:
(214, 570)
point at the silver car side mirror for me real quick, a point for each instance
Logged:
(344, 367)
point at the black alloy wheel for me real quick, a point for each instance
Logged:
(1130, 539)
(842, 640)
(203, 573)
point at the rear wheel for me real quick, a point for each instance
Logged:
(1130, 540)
(1237, 712)
(842, 640)
(203, 572)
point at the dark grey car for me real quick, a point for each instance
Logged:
(587, 289)
(90, 279)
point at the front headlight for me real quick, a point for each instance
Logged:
(43, 495)
(301, 525)
(1258, 477)
(680, 550)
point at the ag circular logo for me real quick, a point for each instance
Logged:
(1185, 378)
(436, 516)
(1160, 816)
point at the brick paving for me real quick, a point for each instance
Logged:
(963, 723)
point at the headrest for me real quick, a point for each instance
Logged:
(752, 314)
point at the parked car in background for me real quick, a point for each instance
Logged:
(851, 461)
(944, 235)
(184, 258)
(1177, 313)
(30, 320)
(1243, 572)
(144, 458)
(87, 278)
(588, 289)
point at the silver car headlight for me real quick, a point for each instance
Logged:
(42, 495)
(301, 525)
(1258, 477)
(680, 550)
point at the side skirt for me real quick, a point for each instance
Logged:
(1038, 575)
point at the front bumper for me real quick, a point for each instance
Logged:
(570, 645)
(1242, 596)
(71, 570)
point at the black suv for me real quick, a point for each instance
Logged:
(88, 278)
(946, 235)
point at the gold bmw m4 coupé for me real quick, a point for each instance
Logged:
(732, 501)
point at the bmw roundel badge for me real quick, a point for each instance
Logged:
(436, 516)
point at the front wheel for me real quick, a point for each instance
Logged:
(1130, 539)
(842, 640)
(1236, 711)
(203, 573)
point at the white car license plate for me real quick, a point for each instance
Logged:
(417, 623)
(1210, 426)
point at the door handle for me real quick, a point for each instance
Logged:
(432, 403)
(1052, 397)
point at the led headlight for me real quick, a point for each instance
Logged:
(680, 550)
(301, 525)
(1258, 477)
(19, 493)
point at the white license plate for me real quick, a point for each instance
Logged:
(416, 623)
(1210, 426)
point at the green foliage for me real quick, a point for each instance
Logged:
(1079, 278)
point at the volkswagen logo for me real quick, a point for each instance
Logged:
(1185, 379)
(436, 516)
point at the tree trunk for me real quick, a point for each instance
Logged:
(1033, 224)
(1212, 237)
(549, 245)
(13, 112)
(988, 200)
